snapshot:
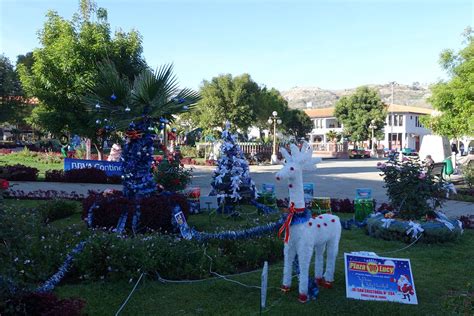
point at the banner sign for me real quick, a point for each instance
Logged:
(111, 168)
(268, 188)
(376, 278)
(363, 193)
(308, 189)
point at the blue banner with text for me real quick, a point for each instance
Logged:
(111, 168)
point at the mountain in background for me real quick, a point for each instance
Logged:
(413, 95)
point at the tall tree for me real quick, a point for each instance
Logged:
(454, 99)
(357, 110)
(227, 98)
(14, 107)
(66, 65)
(297, 123)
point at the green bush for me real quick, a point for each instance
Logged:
(188, 151)
(31, 252)
(57, 209)
(468, 174)
(412, 191)
(434, 232)
(107, 256)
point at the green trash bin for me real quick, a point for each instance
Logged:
(363, 208)
(448, 167)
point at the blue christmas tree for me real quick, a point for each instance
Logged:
(231, 181)
(136, 108)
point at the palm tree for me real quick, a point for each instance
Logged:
(136, 108)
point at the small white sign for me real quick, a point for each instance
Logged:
(208, 203)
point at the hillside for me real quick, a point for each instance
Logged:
(414, 95)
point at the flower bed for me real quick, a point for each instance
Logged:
(19, 173)
(105, 210)
(438, 229)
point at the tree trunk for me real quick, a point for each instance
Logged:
(100, 151)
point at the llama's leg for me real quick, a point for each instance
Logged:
(289, 256)
(305, 252)
(319, 261)
(332, 249)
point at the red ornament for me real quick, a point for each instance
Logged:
(278, 178)
(319, 226)
(292, 169)
(290, 185)
(310, 224)
(325, 224)
(333, 220)
(320, 217)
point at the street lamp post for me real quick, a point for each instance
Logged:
(372, 126)
(274, 119)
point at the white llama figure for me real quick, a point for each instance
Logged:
(305, 234)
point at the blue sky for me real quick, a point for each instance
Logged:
(281, 43)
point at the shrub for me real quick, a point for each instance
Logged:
(18, 173)
(170, 174)
(434, 231)
(342, 206)
(57, 209)
(86, 175)
(189, 151)
(156, 210)
(114, 179)
(468, 174)
(54, 176)
(411, 190)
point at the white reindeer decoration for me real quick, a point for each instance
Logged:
(305, 234)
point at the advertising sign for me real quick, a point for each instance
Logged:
(111, 168)
(308, 189)
(268, 188)
(379, 279)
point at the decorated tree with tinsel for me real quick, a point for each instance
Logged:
(136, 108)
(231, 181)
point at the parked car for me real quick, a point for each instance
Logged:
(359, 153)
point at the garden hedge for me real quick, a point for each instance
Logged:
(434, 231)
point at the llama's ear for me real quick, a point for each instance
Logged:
(285, 154)
(295, 151)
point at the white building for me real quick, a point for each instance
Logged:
(402, 126)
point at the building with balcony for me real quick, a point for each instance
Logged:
(402, 126)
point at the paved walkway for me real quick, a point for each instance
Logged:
(333, 178)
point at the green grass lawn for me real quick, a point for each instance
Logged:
(438, 271)
(31, 161)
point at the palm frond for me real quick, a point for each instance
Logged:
(152, 94)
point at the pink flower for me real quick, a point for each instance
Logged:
(422, 175)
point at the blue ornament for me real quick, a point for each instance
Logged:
(185, 107)
(127, 109)
(113, 96)
(97, 106)
(97, 121)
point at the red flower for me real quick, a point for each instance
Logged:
(4, 184)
